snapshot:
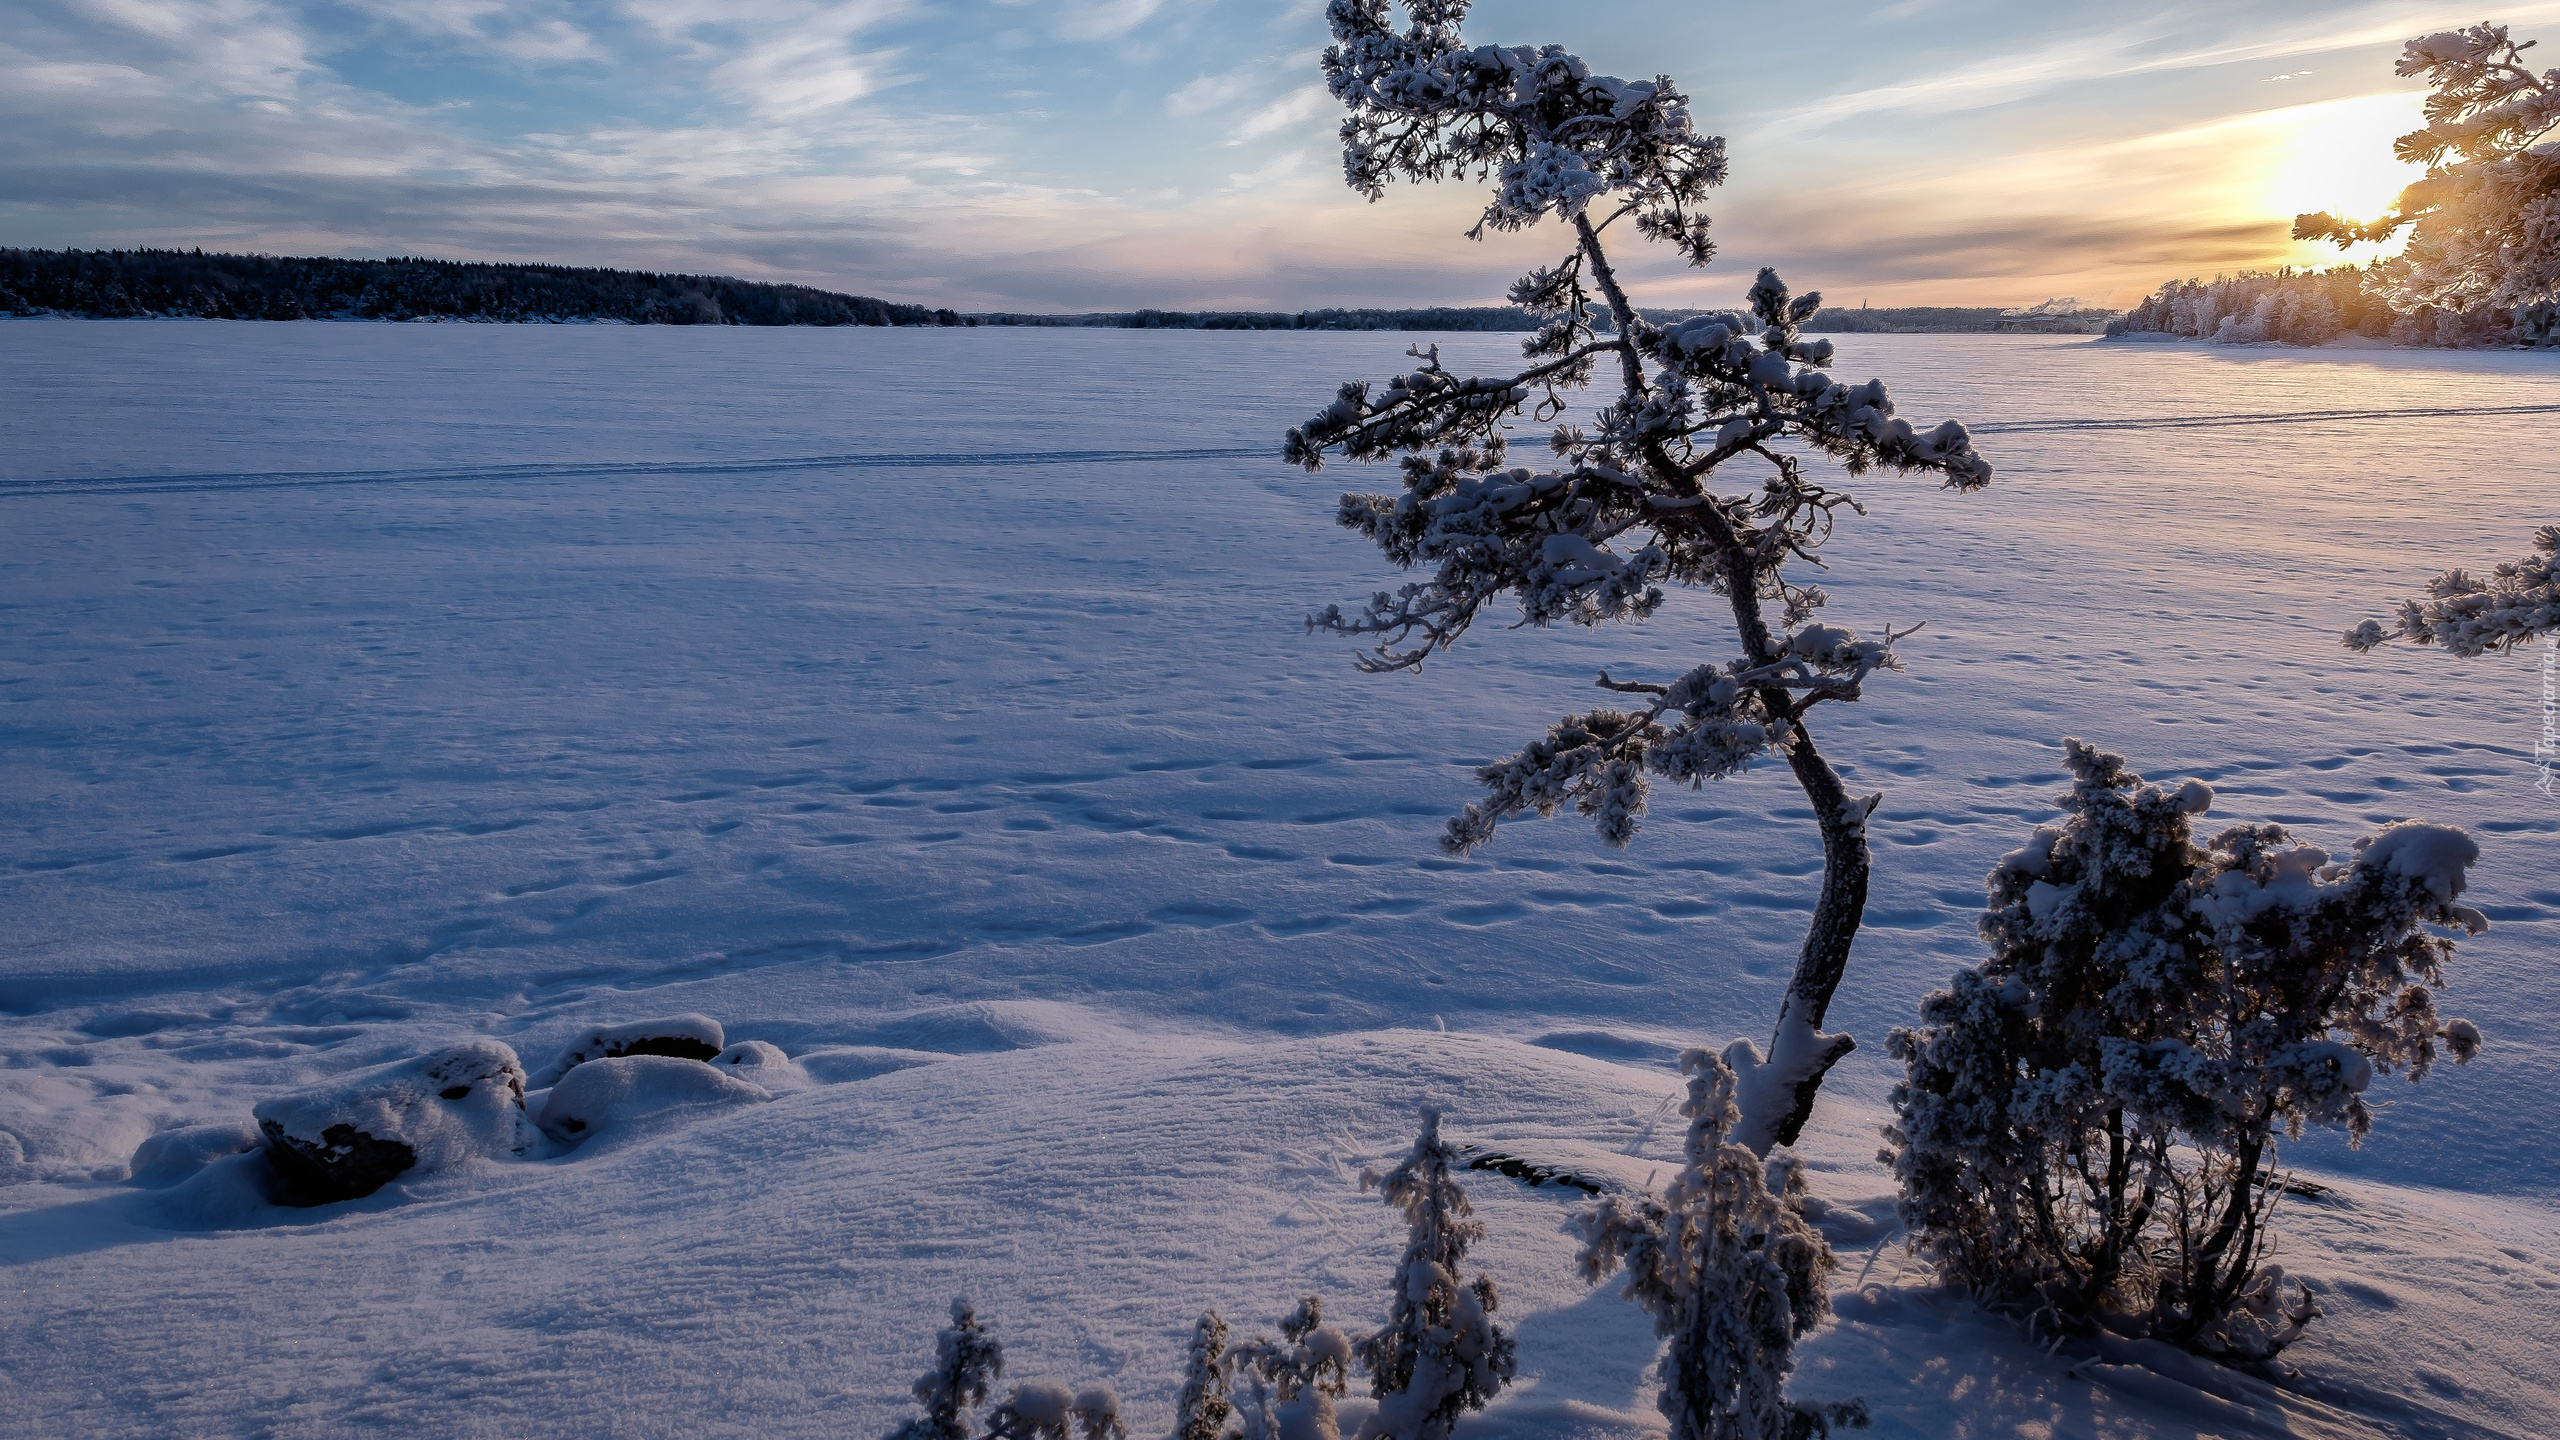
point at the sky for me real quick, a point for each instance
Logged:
(1107, 154)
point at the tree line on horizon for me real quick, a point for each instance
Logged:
(112, 284)
(191, 284)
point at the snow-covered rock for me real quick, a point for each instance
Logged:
(175, 1155)
(347, 1137)
(603, 1094)
(686, 1037)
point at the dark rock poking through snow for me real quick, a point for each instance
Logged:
(685, 1037)
(602, 1094)
(348, 1137)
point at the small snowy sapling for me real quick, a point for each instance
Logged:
(1200, 1412)
(2087, 1125)
(1729, 1271)
(1644, 496)
(967, 1360)
(1441, 1353)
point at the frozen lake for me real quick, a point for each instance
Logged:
(362, 685)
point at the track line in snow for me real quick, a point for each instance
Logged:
(288, 479)
(2278, 417)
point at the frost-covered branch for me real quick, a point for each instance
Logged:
(2487, 213)
(2471, 615)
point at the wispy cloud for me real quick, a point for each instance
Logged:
(1083, 153)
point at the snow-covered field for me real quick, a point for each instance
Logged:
(364, 688)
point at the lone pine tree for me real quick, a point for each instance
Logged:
(1705, 470)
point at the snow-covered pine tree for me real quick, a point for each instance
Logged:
(2486, 216)
(1291, 1383)
(2471, 615)
(1441, 1353)
(1729, 1271)
(1200, 1412)
(967, 1360)
(2087, 1125)
(1700, 472)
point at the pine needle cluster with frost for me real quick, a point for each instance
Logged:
(2472, 615)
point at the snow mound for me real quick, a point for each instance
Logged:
(686, 1037)
(985, 1027)
(610, 1094)
(175, 1155)
(763, 1065)
(349, 1136)
(838, 1065)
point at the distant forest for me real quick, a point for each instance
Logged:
(111, 284)
(2314, 307)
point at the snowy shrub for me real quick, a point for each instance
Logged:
(2471, 615)
(1047, 1410)
(1441, 1354)
(1702, 470)
(1289, 1384)
(2088, 1121)
(1729, 1271)
(966, 1362)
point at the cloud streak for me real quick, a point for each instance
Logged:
(1120, 152)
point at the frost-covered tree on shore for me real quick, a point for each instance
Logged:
(1730, 1273)
(2471, 615)
(2088, 1122)
(1441, 1352)
(2484, 223)
(1702, 471)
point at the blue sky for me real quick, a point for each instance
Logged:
(1095, 154)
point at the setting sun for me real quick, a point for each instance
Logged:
(2337, 157)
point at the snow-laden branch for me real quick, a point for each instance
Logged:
(2487, 212)
(2471, 615)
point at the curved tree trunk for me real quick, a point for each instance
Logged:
(1775, 1091)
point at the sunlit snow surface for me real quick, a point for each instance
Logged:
(370, 686)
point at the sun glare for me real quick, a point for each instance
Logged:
(2338, 158)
